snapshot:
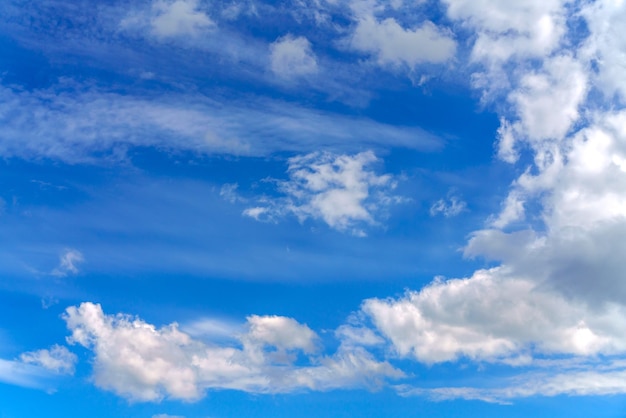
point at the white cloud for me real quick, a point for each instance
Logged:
(558, 293)
(68, 263)
(606, 45)
(57, 359)
(87, 125)
(358, 336)
(167, 416)
(292, 57)
(142, 362)
(281, 332)
(589, 382)
(341, 190)
(26, 375)
(391, 44)
(229, 193)
(495, 317)
(211, 328)
(547, 101)
(170, 18)
(452, 206)
(506, 29)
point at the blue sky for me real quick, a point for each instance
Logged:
(301, 208)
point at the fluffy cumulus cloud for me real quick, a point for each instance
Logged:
(391, 44)
(57, 359)
(557, 295)
(507, 30)
(495, 317)
(167, 18)
(142, 362)
(606, 46)
(292, 57)
(341, 190)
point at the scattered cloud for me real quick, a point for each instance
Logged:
(391, 44)
(292, 57)
(229, 193)
(142, 362)
(57, 359)
(167, 18)
(340, 190)
(68, 263)
(449, 207)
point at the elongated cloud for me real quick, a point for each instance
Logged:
(142, 362)
(87, 126)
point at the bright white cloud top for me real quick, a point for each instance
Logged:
(141, 143)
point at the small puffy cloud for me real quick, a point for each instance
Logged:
(341, 190)
(57, 359)
(167, 416)
(281, 332)
(292, 57)
(449, 207)
(391, 44)
(259, 213)
(170, 18)
(68, 263)
(142, 362)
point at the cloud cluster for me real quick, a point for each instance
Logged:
(340, 190)
(558, 292)
(142, 362)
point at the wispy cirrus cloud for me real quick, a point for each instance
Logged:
(68, 263)
(91, 125)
